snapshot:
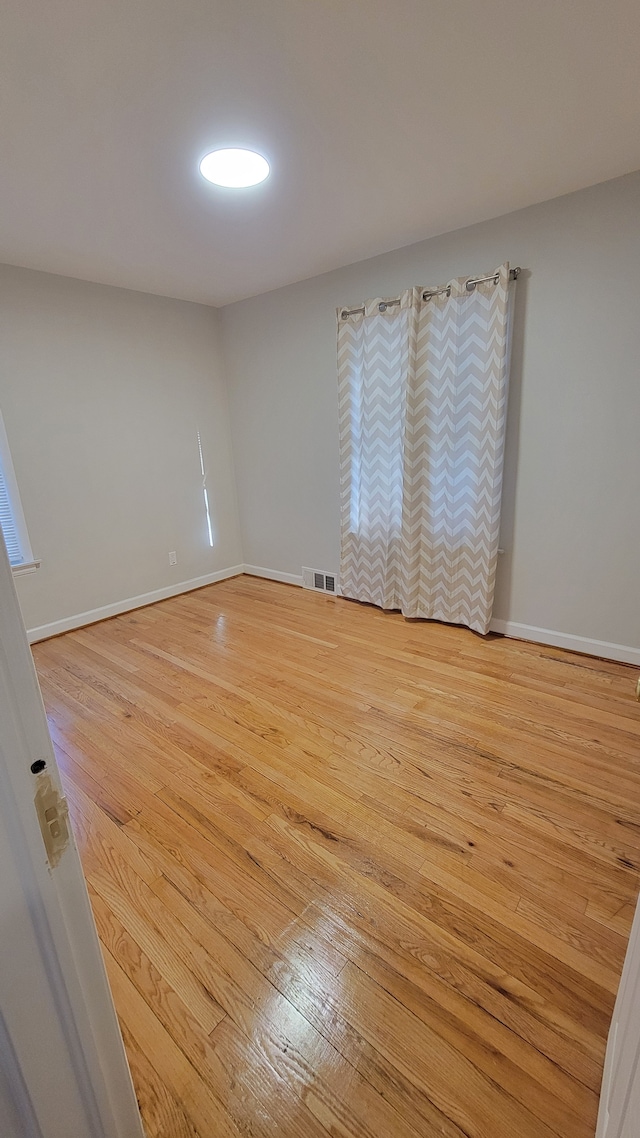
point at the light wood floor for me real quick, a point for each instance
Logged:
(352, 875)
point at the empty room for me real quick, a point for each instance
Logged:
(319, 620)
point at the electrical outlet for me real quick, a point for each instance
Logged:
(173, 557)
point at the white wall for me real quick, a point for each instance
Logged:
(572, 478)
(102, 392)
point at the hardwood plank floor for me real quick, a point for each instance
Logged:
(352, 875)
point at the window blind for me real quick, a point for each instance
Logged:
(8, 525)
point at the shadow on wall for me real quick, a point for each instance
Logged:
(502, 603)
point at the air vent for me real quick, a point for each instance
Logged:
(320, 581)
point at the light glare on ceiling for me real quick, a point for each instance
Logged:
(234, 168)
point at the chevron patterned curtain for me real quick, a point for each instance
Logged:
(422, 384)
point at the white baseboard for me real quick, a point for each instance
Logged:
(273, 575)
(93, 615)
(511, 628)
(603, 648)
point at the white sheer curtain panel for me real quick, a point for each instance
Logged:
(422, 386)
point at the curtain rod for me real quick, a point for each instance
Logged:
(427, 295)
(495, 277)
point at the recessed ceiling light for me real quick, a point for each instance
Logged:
(234, 168)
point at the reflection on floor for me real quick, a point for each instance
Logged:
(352, 875)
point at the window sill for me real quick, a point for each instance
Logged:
(26, 567)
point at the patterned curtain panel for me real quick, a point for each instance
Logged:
(422, 383)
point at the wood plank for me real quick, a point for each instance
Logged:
(200, 1104)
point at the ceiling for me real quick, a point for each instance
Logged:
(385, 123)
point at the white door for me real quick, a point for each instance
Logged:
(619, 1114)
(63, 1070)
